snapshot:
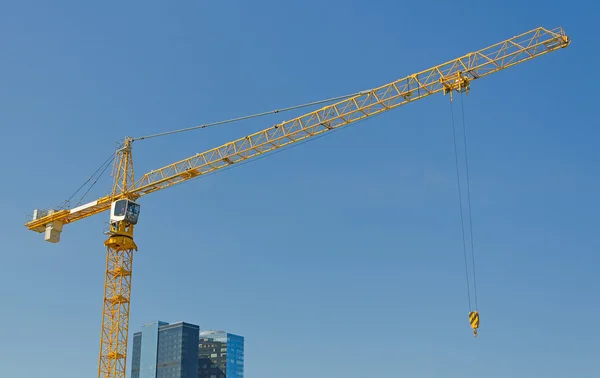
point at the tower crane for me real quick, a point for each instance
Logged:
(124, 209)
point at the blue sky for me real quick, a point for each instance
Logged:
(341, 257)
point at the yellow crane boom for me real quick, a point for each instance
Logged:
(455, 75)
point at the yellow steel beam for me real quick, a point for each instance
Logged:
(454, 75)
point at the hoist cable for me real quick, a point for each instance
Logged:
(469, 201)
(250, 116)
(462, 222)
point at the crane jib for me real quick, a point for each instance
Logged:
(454, 75)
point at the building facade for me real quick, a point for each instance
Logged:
(220, 355)
(163, 350)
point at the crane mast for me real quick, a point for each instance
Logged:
(453, 76)
(120, 248)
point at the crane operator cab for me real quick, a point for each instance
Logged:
(124, 210)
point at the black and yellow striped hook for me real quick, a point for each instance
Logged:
(474, 321)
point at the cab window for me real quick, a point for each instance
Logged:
(120, 207)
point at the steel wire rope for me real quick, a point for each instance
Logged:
(96, 180)
(250, 116)
(67, 201)
(469, 201)
(462, 222)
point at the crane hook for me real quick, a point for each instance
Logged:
(474, 321)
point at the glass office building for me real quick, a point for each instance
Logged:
(163, 350)
(220, 355)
